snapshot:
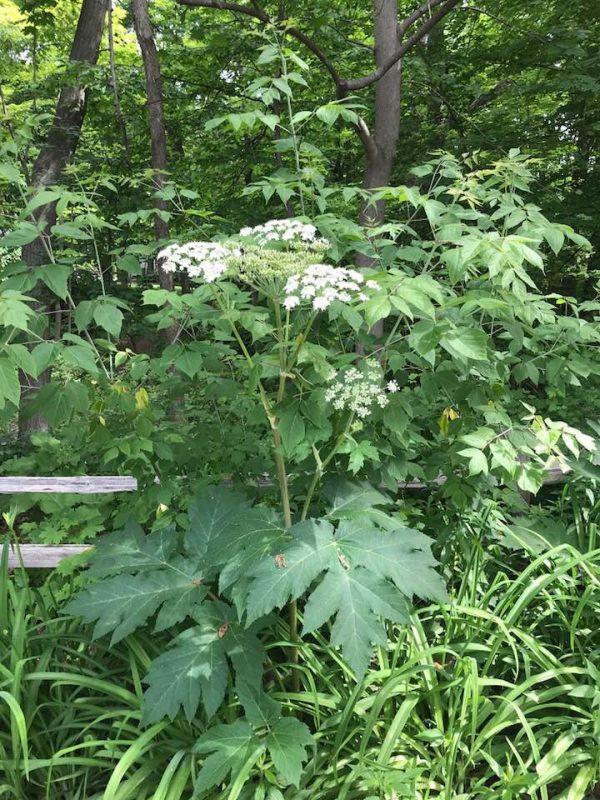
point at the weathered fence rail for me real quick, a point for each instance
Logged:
(100, 484)
(41, 556)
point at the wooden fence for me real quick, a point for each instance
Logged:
(42, 556)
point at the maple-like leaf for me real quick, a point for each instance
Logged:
(350, 499)
(122, 603)
(195, 668)
(228, 748)
(213, 512)
(288, 574)
(287, 742)
(403, 555)
(370, 573)
(286, 737)
(359, 600)
(258, 533)
(131, 550)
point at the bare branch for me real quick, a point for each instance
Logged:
(503, 22)
(416, 15)
(225, 5)
(364, 134)
(259, 13)
(361, 83)
(486, 98)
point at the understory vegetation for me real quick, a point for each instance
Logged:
(322, 278)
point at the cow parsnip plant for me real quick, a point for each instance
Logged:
(349, 410)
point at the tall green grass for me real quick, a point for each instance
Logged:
(495, 695)
(70, 710)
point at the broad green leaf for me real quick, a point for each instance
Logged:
(71, 231)
(10, 387)
(287, 743)
(555, 238)
(130, 550)
(228, 746)
(14, 310)
(259, 708)
(358, 599)
(288, 574)
(376, 308)
(122, 603)
(24, 234)
(349, 499)
(56, 401)
(108, 317)
(129, 263)
(10, 173)
(291, 427)
(81, 357)
(403, 555)
(256, 534)
(477, 460)
(466, 343)
(41, 198)
(55, 276)
(195, 667)
(211, 513)
(22, 357)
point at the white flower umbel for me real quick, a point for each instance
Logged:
(291, 232)
(205, 260)
(358, 390)
(321, 284)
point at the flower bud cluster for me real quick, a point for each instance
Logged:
(358, 390)
(321, 284)
(206, 260)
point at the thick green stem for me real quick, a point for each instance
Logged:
(321, 467)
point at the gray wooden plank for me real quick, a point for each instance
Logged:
(85, 484)
(43, 556)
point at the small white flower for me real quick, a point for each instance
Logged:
(290, 231)
(393, 386)
(325, 284)
(206, 260)
(358, 390)
(291, 301)
(372, 285)
(321, 303)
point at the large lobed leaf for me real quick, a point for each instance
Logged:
(195, 668)
(366, 573)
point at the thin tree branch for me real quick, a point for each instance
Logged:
(343, 86)
(361, 83)
(488, 97)
(115, 84)
(260, 14)
(503, 22)
(416, 15)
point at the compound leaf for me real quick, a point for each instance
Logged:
(195, 667)
(212, 513)
(403, 555)
(124, 602)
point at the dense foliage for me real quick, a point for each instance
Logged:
(326, 287)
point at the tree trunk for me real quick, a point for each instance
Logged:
(156, 118)
(115, 83)
(380, 146)
(158, 150)
(54, 156)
